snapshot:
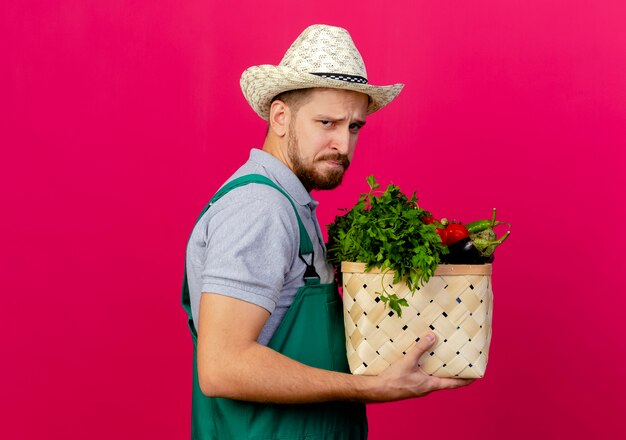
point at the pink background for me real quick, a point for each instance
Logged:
(120, 119)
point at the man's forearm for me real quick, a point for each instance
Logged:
(258, 373)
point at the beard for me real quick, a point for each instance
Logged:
(310, 176)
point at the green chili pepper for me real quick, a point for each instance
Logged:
(481, 225)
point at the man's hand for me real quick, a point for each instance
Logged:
(404, 379)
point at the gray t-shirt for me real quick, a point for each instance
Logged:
(246, 245)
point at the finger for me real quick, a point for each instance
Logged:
(442, 383)
(423, 344)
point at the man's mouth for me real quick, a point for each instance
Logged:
(337, 161)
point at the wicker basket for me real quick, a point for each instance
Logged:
(456, 304)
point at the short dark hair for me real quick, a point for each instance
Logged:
(294, 100)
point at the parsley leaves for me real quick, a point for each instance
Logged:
(385, 230)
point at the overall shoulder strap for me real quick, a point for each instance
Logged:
(306, 246)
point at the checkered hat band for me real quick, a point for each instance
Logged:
(342, 77)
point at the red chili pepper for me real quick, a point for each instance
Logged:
(430, 220)
(454, 233)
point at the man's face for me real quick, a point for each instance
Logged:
(323, 135)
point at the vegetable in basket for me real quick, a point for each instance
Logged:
(484, 237)
(471, 243)
(455, 232)
(463, 252)
(390, 231)
(386, 230)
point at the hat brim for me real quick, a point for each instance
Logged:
(260, 84)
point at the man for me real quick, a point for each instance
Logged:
(269, 357)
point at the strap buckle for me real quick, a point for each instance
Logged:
(310, 274)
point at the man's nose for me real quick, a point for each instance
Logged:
(342, 141)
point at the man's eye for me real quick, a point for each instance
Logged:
(355, 127)
(326, 123)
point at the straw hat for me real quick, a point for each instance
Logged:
(322, 56)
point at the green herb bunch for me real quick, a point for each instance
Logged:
(386, 230)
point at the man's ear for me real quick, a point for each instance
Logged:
(279, 118)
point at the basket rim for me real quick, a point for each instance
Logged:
(442, 269)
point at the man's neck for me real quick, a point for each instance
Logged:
(278, 151)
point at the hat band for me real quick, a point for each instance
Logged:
(342, 77)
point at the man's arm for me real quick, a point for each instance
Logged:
(232, 364)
